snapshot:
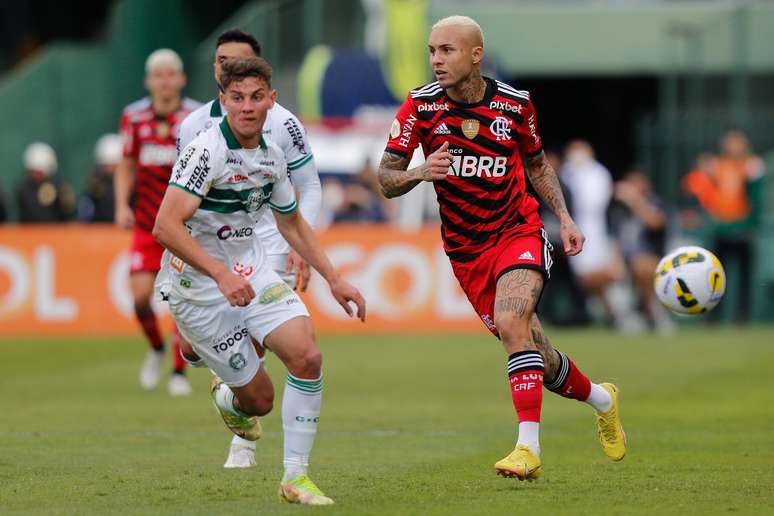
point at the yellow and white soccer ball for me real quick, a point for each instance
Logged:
(690, 280)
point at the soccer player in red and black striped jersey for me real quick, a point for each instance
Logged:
(481, 140)
(149, 128)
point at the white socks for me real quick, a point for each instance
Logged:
(300, 415)
(599, 398)
(243, 442)
(529, 435)
(224, 399)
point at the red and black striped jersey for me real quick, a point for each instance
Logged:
(484, 195)
(150, 139)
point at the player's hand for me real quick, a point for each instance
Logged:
(237, 289)
(345, 293)
(124, 217)
(301, 268)
(437, 164)
(572, 238)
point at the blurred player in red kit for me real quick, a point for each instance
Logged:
(149, 128)
(474, 131)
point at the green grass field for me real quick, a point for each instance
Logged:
(409, 426)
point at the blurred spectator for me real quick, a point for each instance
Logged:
(730, 192)
(562, 278)
(640, 221)
(697, 189)
(42, 197)
(98, 202)
(362, 200)
(599, 265)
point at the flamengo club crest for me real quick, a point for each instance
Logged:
(470, 128)
(501, 128)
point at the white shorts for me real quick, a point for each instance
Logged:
(279, 264)
(220, 333)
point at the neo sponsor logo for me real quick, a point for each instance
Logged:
(159, 155)
(225, 342)
(233, 160)
(505, 106)
(478, 166)
(433, 107)
(227, 232)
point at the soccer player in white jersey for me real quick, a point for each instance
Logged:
(223, 293)
(283, 128)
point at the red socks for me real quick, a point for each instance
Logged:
(150, 328)
(179, 363)
(570, 382)
(525, 372)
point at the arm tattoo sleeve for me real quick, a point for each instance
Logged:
(394, 179)
(546, 183)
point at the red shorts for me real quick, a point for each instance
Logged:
(145, 254)
(478, 277)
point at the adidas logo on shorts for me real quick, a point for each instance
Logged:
(442, 129)
(526, 255)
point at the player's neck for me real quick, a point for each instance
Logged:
(246, 141)
(469, 91)
(165, 106)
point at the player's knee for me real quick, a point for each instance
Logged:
(307, 364)
(258, 405)
(514, 331)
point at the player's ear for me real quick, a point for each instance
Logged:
(183, 80)
(222, 96)
(478, 54)
(273, 97)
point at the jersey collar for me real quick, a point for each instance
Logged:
(215, 110)
(231, 141)
(488, 94)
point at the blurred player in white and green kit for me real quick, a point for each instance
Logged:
(224, 295)
(284, 129)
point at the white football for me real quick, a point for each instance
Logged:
(690, 280)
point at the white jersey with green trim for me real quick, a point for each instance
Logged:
(235, 185)
(282, 128)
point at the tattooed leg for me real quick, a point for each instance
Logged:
(517, 294)
(550, 356)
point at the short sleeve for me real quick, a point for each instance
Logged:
(186, 133)
(404, 137)
(530, 143)
(283, 196)
(193, 170)
(295, 144)
(126, 127)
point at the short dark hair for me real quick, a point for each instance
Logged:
(239, 36)
(234, 70)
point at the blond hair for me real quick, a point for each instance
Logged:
(461, 21)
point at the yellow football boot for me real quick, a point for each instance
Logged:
(521, 464)
(609, 428)
(302, 490)
(245, 427)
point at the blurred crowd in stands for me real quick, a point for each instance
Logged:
(628, 227)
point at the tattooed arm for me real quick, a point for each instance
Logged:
(395, 180)
(545, 182)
